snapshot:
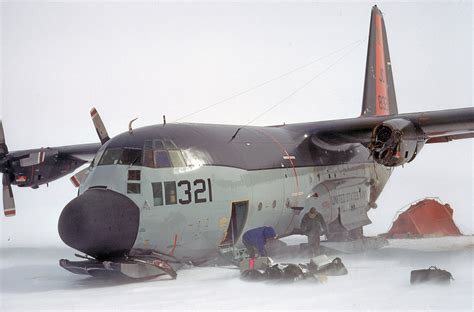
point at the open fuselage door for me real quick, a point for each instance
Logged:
(236, 224)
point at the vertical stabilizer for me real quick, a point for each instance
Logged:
(379, 90)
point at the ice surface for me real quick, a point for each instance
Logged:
(31, 279)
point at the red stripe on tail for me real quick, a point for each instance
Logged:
(381, 91)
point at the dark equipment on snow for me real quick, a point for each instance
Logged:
(284, 272)
(334, 268)
(431, 275)
(263, 268)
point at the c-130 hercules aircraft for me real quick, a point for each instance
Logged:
(158, 196)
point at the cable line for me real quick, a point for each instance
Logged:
(306, 83)
(270, 80)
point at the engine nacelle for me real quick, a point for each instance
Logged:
(40, 166)
(395, 142)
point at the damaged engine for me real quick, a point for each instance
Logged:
(395, 142)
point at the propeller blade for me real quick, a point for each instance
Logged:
(79, 177)
(3, 145)
(8, 200)
(99, 126)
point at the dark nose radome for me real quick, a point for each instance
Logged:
(100, 223)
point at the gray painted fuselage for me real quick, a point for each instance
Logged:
(280, 171)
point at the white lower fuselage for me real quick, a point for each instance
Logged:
(193, 221)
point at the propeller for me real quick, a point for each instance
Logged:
(3, 145)
(77, 179)
(99, 126)
(8, 199)
(5, 168)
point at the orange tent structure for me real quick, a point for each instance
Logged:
(427, 217)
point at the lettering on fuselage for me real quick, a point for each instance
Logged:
(347, 197)
(199, 188)
(197, 191)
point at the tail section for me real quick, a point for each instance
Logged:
(379, 91)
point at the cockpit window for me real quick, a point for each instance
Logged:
(169, 145)
(97, 157)
(162, 154)
(121, 156)
(131, 157)
(158, 145)
(162, 160)
(111, 156)
(177, 158)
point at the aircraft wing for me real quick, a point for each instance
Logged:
(34, 167)
(436, 126)
(80, 151)
(394, 139)
(84, 152)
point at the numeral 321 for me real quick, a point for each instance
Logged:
(199, 190)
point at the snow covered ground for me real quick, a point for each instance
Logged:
(31, 279)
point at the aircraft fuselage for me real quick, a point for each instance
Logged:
(198, 187)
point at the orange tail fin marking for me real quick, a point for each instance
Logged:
(382, 105)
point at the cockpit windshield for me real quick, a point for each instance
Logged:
(121, 156)
(162, 154)
(155, 154)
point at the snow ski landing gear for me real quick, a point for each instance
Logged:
(132, 268)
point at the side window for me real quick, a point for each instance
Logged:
(157, 194)
(133, 188)
(170, 193)
(134, 175)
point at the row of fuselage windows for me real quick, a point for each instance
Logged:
(157, 187)
(155, 154)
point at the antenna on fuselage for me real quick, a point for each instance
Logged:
(235, 134)
(130, 130)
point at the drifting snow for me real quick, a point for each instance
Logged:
(31, 279)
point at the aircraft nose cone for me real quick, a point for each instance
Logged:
(100, 223)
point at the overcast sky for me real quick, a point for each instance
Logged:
(149, 59)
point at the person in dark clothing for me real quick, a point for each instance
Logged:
(255, 240)
(313, 226)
